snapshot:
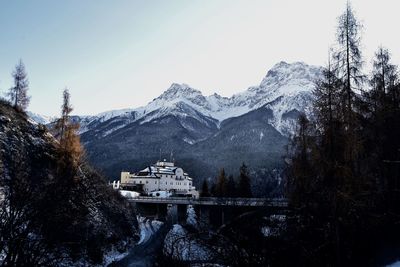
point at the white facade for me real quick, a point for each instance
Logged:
(162, 176)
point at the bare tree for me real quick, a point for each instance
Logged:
(19, 92)
(348, 56)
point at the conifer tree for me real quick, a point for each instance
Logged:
(349, 58)
(66, 110)
(66, 131)
(383, 128)
(19, 92)
(384, 79)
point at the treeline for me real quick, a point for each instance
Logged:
(54, 208)
(228, 186)
(344, 166)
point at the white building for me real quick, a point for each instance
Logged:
(162, 176)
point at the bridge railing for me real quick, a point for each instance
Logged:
(279, 202)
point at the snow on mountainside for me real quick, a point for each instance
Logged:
(286, 90)
(40, 118)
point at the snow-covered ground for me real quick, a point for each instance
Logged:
(191, 218)
(180, 245)
(147, 228)
(129, 194)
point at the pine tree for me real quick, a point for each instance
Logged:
(19, 92)
(244, 188)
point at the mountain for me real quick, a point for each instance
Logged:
(204, 133)
(41, 119)
(286, 89)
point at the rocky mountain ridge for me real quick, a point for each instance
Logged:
(285, 88)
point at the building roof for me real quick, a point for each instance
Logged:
(160, 168)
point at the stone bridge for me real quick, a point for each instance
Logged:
(175, 208)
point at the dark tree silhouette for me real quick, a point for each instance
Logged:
(348, 56)
(19, 92)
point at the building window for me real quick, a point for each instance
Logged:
(140, 181)
(147, 182)
(155, 182)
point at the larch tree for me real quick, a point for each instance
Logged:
(326, 93)
(19, 92)
(348, 68)
(384, 79)
(348, 58)
(384, 127)
(66, 131)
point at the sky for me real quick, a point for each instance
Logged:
(124, 53)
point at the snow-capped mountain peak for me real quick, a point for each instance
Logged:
(283, 73)
(285, 90)
(182, 93)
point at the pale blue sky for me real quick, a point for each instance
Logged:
(122, 54)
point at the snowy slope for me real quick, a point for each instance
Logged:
(40, 118)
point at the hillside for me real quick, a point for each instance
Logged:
(48, 204)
